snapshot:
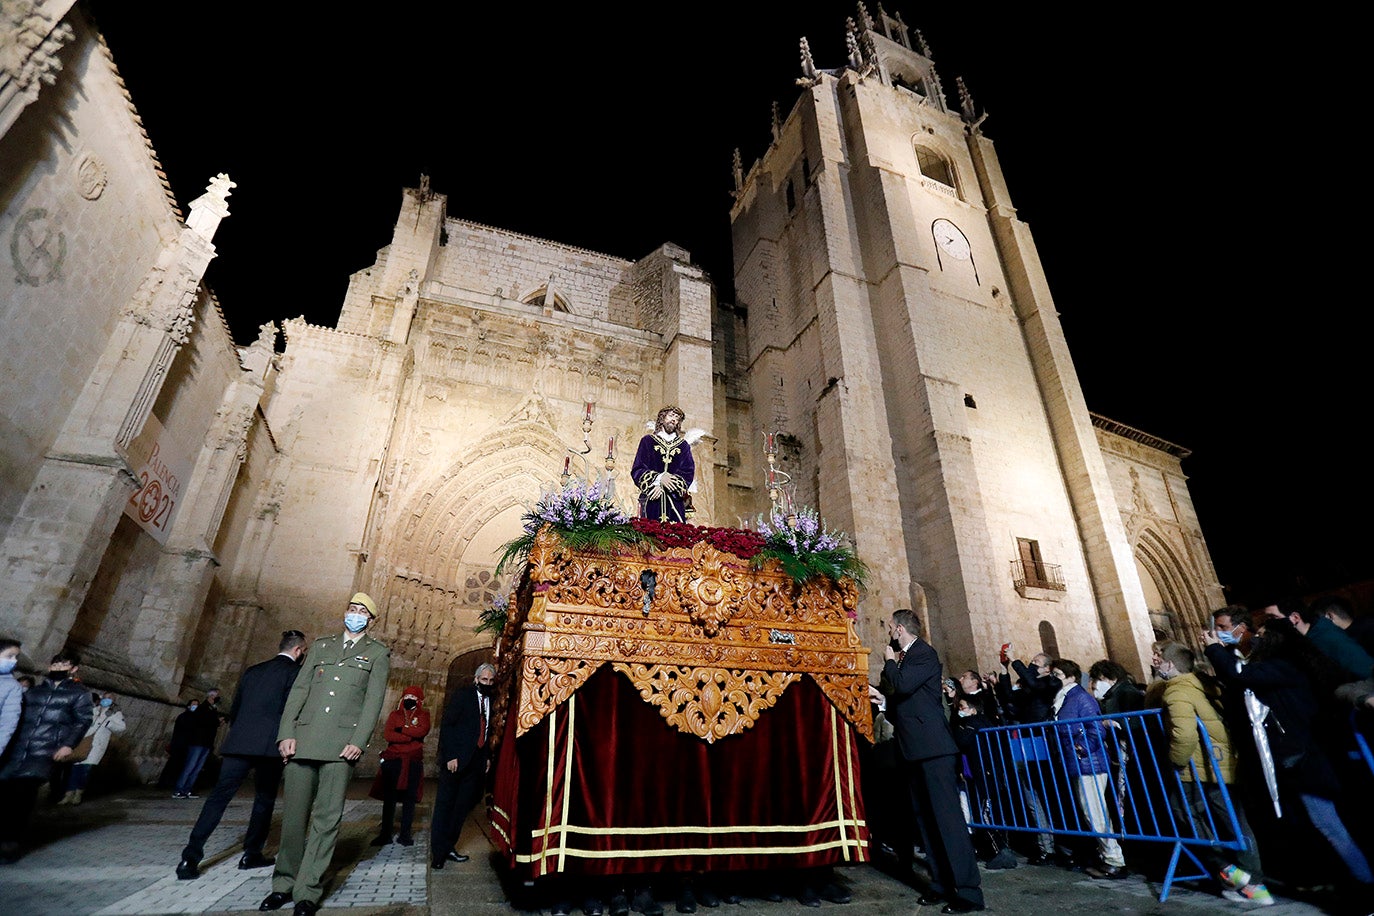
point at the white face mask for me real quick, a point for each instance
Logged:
(965, 713)
(1100, 688)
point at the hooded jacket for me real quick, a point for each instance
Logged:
(1186, 700)
(405, 732)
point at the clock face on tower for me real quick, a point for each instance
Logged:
(951, 241)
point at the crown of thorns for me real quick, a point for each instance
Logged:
(663, 415)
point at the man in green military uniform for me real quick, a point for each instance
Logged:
(329, 716)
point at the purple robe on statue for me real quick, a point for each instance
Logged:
(655, 456)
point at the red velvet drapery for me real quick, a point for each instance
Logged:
(603, 785)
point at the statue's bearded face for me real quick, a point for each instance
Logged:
(669, 420)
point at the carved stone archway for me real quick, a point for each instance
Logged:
(428, 575)
(1177, 582)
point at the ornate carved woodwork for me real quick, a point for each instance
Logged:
(716, 645)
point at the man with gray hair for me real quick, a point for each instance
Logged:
(464, 739)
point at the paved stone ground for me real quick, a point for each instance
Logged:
(116, 855)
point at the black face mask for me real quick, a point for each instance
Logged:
(484, 689)
(408, 704)
(896, 646)
(58, 674)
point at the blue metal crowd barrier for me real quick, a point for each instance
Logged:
(1024, 777)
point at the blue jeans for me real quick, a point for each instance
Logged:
(195, 759)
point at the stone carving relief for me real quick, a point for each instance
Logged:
(91, 177)
(29, 46)
(38, 247)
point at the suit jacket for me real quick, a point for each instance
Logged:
(256, 712)
(459, 727)
(915, 705)
(337, 697)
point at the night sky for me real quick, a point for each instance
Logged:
(1154, 159)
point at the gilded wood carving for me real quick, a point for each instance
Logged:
(711, 703)
(714, 645)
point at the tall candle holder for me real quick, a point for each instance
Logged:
(607, 477)
(781, 490)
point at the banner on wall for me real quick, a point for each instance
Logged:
(162, 470)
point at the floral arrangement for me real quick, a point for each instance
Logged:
(739, 542)
(582, 514)
(805, 547)
(493, 617)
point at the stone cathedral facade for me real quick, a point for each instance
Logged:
(892, 325)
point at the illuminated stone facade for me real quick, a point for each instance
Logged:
(892, 324)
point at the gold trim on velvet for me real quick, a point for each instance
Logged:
(711, 703)
(548, 791)
(567, 781)
(690, 851)
(709, 611)
(682, 828)
(839, 788)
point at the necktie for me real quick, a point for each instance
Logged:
(482, 725)
(348, 645)
(901, 654)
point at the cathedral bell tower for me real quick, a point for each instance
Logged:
(901, 332)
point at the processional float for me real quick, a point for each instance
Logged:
(671, 706)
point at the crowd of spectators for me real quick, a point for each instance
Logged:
(1270, 709)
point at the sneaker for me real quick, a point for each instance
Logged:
(190, 795)
(1258, 893)
(1235, 876)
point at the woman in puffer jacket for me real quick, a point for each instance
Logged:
(402, 774)
(108, 721)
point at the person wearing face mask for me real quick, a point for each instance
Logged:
(11, 691)
(1190, 696)
(107, 722)
(329, 716)
(464, 740)
(251, 744)
(201, 732)
(1083, 753)
(56, 715)
(402, 773)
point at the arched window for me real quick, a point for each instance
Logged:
(540, 296)
(934, 166)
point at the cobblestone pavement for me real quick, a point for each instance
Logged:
(116, 854)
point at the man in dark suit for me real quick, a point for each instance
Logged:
(250, 745)
(464, 737)
(911, 695)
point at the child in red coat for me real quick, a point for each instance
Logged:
(402, 774)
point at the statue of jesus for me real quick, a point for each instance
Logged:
(663, 469)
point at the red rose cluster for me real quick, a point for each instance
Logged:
(737, 541)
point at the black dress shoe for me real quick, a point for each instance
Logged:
(592, 907)
(1115, 872)
(456, 856)
(406, 840)
(686, 901)
(807, 896)
(381, 840)
(436, 864)
(929, 900)
(834, 893)
(255, 860)
(620, 905)
(188, 869)
(274, 901)
(561, 908)
(961, 906)
(305, 908)
(707, 898)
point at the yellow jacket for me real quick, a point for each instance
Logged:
(1185, 701)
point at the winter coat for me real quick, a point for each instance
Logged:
(405, 732)
(107, 722)
(11, 704)
(1080, 743)
(204, 725)
(56, 715)
(1185, 700)
(1124, 696)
